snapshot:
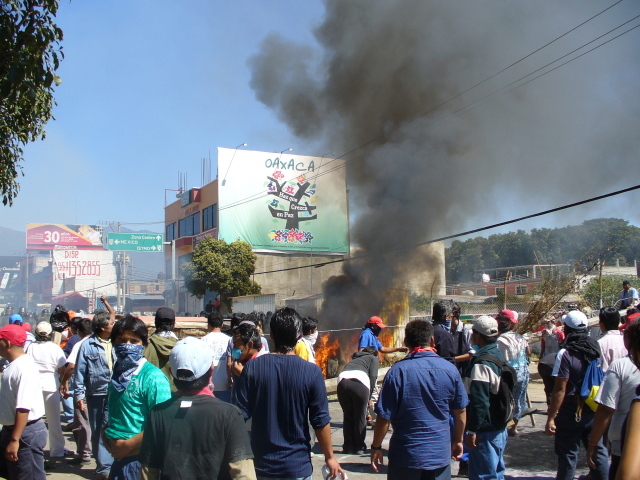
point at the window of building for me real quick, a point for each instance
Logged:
(189, 226)
(210, 217)
(170, 233)
(482, 292)
(521, 289)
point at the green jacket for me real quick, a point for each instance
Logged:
(481, 379)
(157, 352)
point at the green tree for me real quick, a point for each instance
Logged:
(30, 53)
(611, 237)
(611, 288)
(221, 267)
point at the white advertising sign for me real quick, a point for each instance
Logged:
(91, 269)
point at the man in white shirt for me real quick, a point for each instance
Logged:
(611, 343)
(50, 360)
(218, 342)
(24, 434)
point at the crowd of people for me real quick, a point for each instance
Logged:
(153, 406)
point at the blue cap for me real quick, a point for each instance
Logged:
(15, 318)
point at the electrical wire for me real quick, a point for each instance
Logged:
(480, 101)
(262, 194)
(490, 96)
(462, 234)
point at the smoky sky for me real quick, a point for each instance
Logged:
(379, 69)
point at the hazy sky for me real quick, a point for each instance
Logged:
(150, 88)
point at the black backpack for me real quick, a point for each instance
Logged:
(502, 404)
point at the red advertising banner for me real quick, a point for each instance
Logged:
(52, 236)
(201, 236)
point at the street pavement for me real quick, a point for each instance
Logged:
(528, 455)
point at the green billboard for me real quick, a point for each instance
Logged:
(283, 202)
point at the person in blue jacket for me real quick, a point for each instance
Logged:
(369, 337)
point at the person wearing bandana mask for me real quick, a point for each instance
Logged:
(369, 337)
(136, 386)
(304, 348)
(247, 345)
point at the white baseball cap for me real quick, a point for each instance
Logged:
(190, 359)
(485, 325)
(575, 319)
(43, 328)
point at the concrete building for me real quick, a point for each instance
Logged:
(193, 216)
(295, 216)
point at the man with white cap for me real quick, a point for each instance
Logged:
(486, 431)
(568, 419)
(195, 435)
(50, 360)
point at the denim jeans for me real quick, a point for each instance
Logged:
(486, 460)
(67, 408)
(97, 407)
(126, 469)
(520, 391)
(569, 434)
(396, 472)
(30, 464)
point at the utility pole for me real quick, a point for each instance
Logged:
(119, 267)
(174, 295)
(600, 280)
(27, 285)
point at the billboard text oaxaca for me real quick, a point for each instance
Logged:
(283, 202)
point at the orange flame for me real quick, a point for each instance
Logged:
(387, 337)
(325, 351)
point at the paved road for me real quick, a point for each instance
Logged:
(528, 455)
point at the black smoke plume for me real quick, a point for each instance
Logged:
(381, 76)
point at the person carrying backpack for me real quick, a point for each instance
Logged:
(490, 402)
(569, 418)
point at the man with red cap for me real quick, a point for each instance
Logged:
(24, 434)
(369, 337)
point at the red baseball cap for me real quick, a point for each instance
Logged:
(14, 334)
(377, 321)
(510, 314)
(630, 319)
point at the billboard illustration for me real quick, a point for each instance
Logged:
(277, 202)
(53, 236)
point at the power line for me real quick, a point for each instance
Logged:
(462, 234)
(262, 194)
(480, 102)
(473, 106)
(518, 61)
